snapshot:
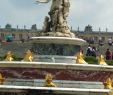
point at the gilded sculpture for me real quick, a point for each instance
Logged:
(108, 84)
(49, 81)
(9, 56)
(80, 58)
(28, 56)
(1, 79)
(101, 60)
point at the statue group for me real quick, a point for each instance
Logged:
(57, 20)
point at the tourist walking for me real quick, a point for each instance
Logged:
(108, 54)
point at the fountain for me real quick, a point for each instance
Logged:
(54, 57)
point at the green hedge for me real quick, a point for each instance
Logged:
(91, 60)
(109, 62)
(88, 59)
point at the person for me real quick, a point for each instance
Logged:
(100, 42)
(108, 54)
(110, 41)
(93, 52)
(112, 55)
(89, 51)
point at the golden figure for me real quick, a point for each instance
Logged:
(9, 56)
(101, 60)
(80, 58)
(1, 79)
(108, 84)
(28, 57)
(49, 81)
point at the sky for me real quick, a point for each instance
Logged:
(97, 13)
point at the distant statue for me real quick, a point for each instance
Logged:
(101, 60)
(88, 28)
(80, 58)
(49, 81)
(108, 84)
(2, 79)
(28, 56)
(9, 56)
(34, 27)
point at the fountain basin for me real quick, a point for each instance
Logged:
(64, 46)
(60, 71)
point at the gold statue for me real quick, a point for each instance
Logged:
(80, 58)
(1, 79)
(28, 57)
(101, 60)
(108, 84)
(48, 81)
(9, 56)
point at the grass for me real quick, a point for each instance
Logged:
(88, 59)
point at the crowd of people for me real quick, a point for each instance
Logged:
(93, 51)
(100, 41)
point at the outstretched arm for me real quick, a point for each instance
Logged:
(42, 1)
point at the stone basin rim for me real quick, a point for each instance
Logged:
(58, 40)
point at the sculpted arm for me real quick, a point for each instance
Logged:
(42, 1)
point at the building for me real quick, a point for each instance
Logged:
(24, 34)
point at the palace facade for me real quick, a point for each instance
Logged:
(25, 34)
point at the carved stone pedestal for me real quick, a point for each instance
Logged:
(58, 34)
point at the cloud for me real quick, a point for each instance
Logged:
(16, 14)
(97, 13)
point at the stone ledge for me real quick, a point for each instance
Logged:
(65, 66)
(59, 83)
(55, 90)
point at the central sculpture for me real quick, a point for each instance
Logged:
(56, 23)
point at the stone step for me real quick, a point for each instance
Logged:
(29, 90)
(59, 83)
